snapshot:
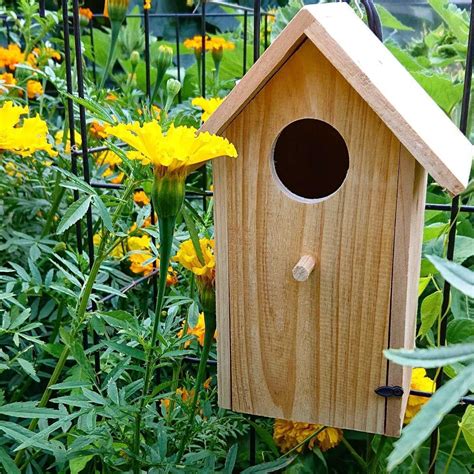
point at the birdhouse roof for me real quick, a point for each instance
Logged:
(371, 69)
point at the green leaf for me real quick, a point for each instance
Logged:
(7, 463)
(273, 466)
(431, 415)
(266, 437)
(70, 385)
(389, 21)
(467, 426)
(458, 276)
(460, 330)
(461, 305)
(193, 314)
(29, 368)
(230, 459)
(430, 358)
(453, 17)
(78, 353)
(78, 464)
(103, 212)
(76, 211)
(422, 284)
(128, 350)
(441, 89)
(28, 410)
(430, 311)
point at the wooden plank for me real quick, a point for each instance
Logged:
(308, 351)
(406, 271)
(222, 294)
(404, 106)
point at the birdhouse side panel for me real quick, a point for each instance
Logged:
(406, 271)
(307, 351)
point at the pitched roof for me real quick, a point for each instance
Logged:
(369, 67)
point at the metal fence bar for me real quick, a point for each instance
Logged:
(178, 55)
(245, 26)
(203, 48)
(256, 29)
(85, 155)
(146, 23)
(70, 112)
(91, 34)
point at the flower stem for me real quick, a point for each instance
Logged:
(114, 34)
(210, 324)
(166, 226)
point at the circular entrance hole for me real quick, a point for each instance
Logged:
(310, 160)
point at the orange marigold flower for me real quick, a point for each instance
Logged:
(97, 130)
(289, 434)
(86, 13)
(140, 198)
(139, 263)
(111, 97)
(11, 56)
(7, 81)
(421, 382)
(34, 89)
(198, 331)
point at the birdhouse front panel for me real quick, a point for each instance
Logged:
(317, 175)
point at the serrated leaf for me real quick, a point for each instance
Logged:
(103, 212)
(389, 21)
(28, 367)
(431, 358)
(430, 416)
(74, 213)
(76, 465)
(128, 350)
(28, 410)
(458, 276)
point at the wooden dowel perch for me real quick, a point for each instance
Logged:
(303, 268)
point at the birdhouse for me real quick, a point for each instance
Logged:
(319, 224)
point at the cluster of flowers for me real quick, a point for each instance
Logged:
(11, 57)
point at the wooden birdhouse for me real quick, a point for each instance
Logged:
(319, 223)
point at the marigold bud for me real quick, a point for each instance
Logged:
(134, 58)
(167, 193)
(116, 10)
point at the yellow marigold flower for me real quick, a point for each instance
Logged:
(11, 56)
(45, 52)
(421, 382)
(118, 250)
(139, 243)
(188, 258)
(196, 43)
(219, 44)
(138, 263)
(7, 81)
(198, 331)
(109, 158)
(116, 177)
(140, 198)
(207, 105)
(26, 138)
(34, 89)
(179, 148)
(97, 130)
(289, 434)
(147, 4)
(59, 136)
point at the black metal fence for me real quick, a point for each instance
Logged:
(71, 26)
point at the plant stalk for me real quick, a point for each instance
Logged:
(166, 227)
(114, 34)
(210, 322)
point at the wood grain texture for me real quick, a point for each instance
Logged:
(406, 270)
(307, 351)
(402, 104)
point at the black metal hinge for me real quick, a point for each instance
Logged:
(389, 391)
